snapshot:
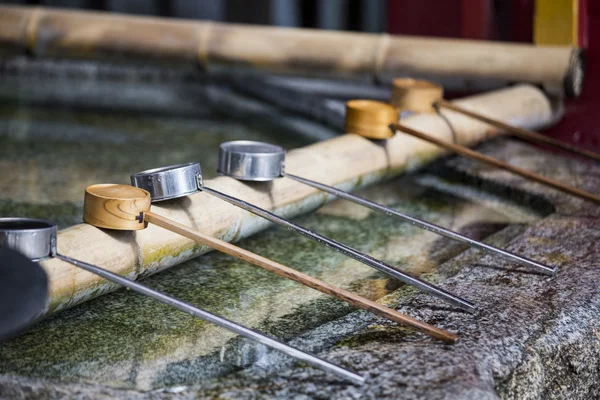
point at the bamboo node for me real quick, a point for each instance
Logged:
(31, 29)
(381, 49)
(204, 33)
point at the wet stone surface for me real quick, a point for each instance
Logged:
(533, 336)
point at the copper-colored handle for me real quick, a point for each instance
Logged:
(299, 277)
(519, 132)
(465, 151)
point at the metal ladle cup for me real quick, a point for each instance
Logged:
(249, 161)
(23, 283)
(258, 162)
(181, 180)
(36, 239)
(124, 207)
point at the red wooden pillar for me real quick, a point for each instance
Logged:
(522, 20)
(471, 19)
(476, 19)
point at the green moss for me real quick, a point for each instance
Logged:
(556, 258)
(159, 254)
(377, 334)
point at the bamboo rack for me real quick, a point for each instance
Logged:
(456, 64)
(357, 162)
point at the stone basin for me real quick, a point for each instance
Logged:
(533, 337)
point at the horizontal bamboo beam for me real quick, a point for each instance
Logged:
(348, 162)
(454, 63)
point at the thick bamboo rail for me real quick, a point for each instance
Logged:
(456, 64)
(348, 162)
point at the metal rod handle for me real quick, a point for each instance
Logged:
(222, 322)
(297, 276)
(426, 225)
(348, 251)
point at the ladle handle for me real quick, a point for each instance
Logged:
(524, 261)
(465, 151)
(222, 322)
(299, 277)
(518, 131)
(348, 251)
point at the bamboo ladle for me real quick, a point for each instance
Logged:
(370, 121)
(415, 95)
(128, 208)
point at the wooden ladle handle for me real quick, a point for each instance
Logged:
(475, 155)
(519, 132)
(307, 280)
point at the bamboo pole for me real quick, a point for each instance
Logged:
(454, 63)
(13, 29)
(348, 162)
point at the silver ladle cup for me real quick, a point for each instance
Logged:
(36, 239)
(249, 161)
(256, 161)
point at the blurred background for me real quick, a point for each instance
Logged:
(543, 22)
(509, 20)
